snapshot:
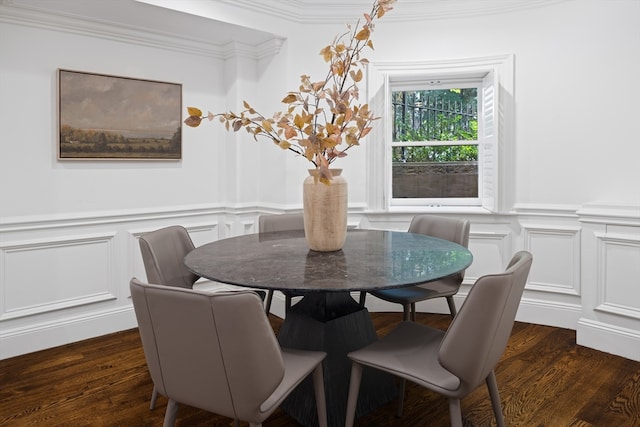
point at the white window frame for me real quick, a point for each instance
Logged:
(495, 134)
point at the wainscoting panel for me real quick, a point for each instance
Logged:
(65, 279)
(491, 252)
(610, 318)
(557, 259)
(619, 261)
(57, 274)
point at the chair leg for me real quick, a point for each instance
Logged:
(492, 385)
(154, 397)
(363, 298)
(452, 306)
(354, 390)
(403, 386)
(413, 311)
(236, 423)
(267, 303)
(455, 412)
(406, 308)
(321, 400)
(170, 414)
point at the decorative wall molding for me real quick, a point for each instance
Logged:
(611, 214)
(610, 260)
(580, 279)
(52, 19)
(614, 295)
(84, 219)
(314, 11)
(34, 284)
(492, 251)
(265, 49)
(249, 227)
(85, 291)
(557, 249)
(546, 210)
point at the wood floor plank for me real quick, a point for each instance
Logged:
(544, 378)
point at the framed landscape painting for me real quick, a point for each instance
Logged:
(104, 117)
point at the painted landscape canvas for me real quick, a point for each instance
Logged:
(104, 117)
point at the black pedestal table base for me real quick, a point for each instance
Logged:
(333, 322)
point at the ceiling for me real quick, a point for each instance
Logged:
(185, 18)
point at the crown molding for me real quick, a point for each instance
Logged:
(14, 12)
(324, 11)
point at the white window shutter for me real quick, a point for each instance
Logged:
(488, 142)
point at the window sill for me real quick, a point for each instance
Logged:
(477, 210)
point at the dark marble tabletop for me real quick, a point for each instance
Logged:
(369, 260)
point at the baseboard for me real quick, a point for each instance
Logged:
(35, 337)
(609, 338)
(549, 313)
(530, 311)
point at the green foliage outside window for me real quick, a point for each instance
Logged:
(435, 115)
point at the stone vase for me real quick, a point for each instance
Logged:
(325, 211)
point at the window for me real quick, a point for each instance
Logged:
(434, 143)
(445, 132)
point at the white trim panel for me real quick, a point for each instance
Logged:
(618, 262)
(557, 258)
(34, 282)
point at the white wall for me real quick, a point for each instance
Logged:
(68, 229)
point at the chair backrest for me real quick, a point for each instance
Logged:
(163, 253)
(478, 335)
(280, 222)
(221, 356)
(442, 227)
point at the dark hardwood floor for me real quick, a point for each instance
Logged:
(545, 379)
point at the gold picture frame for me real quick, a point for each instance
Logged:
(104, 117)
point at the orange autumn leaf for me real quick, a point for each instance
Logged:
(356, 76)
(363, 34)
(321, 116)
(285, 145)
(352, 140)
(266, 124)
(326, 53)
(193, 111)
(289, 99)
(290, 132)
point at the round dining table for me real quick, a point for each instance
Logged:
(327, 318)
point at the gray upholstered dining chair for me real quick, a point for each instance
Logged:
(454, 230)
(163, 253)
(280, 222)
(222, 356)
(452, 363)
